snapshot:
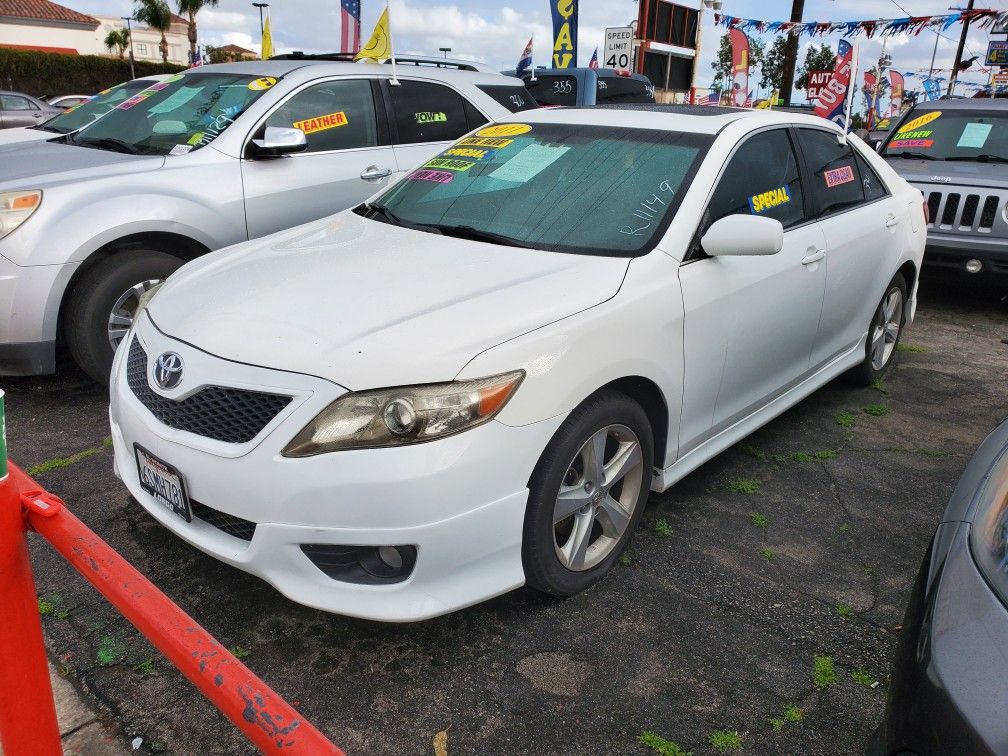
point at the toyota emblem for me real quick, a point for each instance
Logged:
(168, 370)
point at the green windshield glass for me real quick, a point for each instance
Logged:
(81, 115)
(566, 188)
(175, 116)
(952, 135)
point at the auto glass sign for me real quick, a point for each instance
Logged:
(817, 81)
(832, 97)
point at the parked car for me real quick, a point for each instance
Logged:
(472, 381)
(91, 220)
(587, 86)
(78, 116)
(18, 109)
(955, 152)
(67, 101)
(947, 694)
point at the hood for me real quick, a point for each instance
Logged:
(366, 304)
(960, 173)
(24, 134)
(43, 163)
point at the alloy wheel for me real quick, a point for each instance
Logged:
(124, 310)
(886, 329)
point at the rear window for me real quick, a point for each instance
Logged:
(553, 90)
(619, 89)
(515, 99)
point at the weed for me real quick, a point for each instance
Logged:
(61, 614)
(658, 744)
(912, 348)
(744, 486)
(767, 554)
(879, 385)
(662, 527)
(777, 724)
(825, 454)
(109, 652)
(823, 672)
(45, 607)
(758, 519)
(239, 652)
(844, 611)
(845, 419)
(626, 558)
(793, 714)
(929, 452)
(146, 667)
(780, 459)
(869, 570)
(53, 464)
(877, 410)
(754, 451)
(844, 527)
(723, 741)
(863, 676)
(801, 457)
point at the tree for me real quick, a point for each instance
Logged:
(723, 65)
(190, 8)
(772, 68)
(118, 40)
(817, 58)
(157, 15)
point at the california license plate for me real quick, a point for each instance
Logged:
(163, 482)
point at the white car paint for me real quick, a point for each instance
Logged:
(349, 304)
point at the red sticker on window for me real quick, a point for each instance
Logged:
(837, 176)
(899, 143)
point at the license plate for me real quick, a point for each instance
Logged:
(163, 482)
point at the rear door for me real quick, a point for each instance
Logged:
(348, 158)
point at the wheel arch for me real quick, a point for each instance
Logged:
(649, 396)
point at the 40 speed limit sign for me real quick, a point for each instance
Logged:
(618, 47)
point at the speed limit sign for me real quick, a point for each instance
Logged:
(618, 47)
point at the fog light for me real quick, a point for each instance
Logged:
(973, 266)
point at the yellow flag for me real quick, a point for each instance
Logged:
(379, 47)
(768, 103)
(267, 41)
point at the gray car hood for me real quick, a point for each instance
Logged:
(954, 173)
(35, 165)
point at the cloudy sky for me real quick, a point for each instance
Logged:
(495, 33)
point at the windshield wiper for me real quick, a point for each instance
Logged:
(984, 158)
(108, 143)
(907, 154)
(384, 212)
(468, 232)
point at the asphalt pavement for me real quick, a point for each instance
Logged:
(800, 542)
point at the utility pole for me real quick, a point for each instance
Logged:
(129, 32)
(791, 54)
(260, 6)
(959, 50)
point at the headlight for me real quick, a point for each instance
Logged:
(401, 416)
(989, 532)
(16, 208)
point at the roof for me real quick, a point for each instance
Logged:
(237, 49)
(962, 103)
(44, 10)
(42, 48)
(282, 67)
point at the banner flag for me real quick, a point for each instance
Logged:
(832, 97)
(525, 61)
(565, 28)
(896, 87)
(739, 67)
(593, 63)
(379, 47)
(267, 41)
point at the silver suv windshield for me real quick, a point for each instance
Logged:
(934, 134)
(174, 116)
(81, 115)
(562, 187)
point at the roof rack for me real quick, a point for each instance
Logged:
(407, 60)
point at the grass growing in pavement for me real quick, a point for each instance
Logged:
(824, 672)
(626, 558)
(239, 652)
(843, 610)
(844, 527)
(793, 714)
(780, 459)
(758, 519)
(58, 462)
(825, 454)
(658, 744)
(662, 527)
(877, 410)
(767, 554)
(912, 348)
(846, 418)
(777, 723)
(879, 385)
(929, 452)
(724, 741)
(863, 676)
(801, 457)
(754, 451)
(744, 486)
(45, 607)
(145, 667)
(109, 652)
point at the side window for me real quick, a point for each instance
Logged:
(514, 98)
(553, 90)
(870, 182)
(11, 102)
(761, 178)
(426, 112)
(836, 182)
(334, 115)
(474, 117)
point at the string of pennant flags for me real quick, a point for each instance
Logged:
(910, 25)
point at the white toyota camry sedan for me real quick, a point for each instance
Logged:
(472, 381)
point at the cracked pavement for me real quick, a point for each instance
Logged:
(713, 626)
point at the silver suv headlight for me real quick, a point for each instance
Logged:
(16, 208)
(402, 416)
(989, 532)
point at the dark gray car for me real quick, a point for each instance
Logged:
(956, 152)
(18, 109)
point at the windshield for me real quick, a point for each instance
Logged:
(175, 116)
(82, 114)
(952, 135)
(562, 187)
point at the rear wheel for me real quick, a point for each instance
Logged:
(884, 333)
(104, 300)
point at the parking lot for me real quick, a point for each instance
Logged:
(800, 542)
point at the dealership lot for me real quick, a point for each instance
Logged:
(712, 622)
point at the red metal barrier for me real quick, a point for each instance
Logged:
(27, 715)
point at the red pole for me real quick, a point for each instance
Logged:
(27, 714)
(262, 715)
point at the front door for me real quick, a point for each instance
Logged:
(348, 158)
(750, 321)
(19, 111)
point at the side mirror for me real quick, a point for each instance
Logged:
(743, 235)
(277, 142)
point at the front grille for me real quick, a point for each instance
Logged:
(233, 526)
(956, 211)
(989, 211)
(934, 199)
(235, 416)
(951, 205)
(969, 210)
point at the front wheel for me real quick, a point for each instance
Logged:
(884, 333)
(587, 494)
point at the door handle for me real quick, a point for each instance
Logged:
(374, 173)
(891, 220)
(813, 256)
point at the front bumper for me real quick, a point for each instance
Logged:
(460, 500)
(29, 312)
(950, 252)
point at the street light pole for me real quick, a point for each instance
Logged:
(260, 6)
(129, 32)
(445, 50)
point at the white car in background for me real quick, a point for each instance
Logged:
(472, 381)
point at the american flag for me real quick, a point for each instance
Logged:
(350, 25)
(714, 98)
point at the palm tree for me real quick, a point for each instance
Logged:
(190, 8)
(117, 39)
(157, 15)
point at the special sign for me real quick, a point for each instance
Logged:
(618, 47)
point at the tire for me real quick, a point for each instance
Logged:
(90, 304)
(549, 553)
(877, 363)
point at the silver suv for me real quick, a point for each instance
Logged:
(956, 152)
(220, 154)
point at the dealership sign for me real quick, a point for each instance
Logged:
(618, 47)
(997, 54)
(816, 81)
